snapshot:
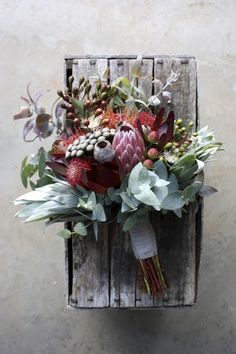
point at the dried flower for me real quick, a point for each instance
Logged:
(76, 170)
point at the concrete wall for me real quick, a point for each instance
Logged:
(34, 37)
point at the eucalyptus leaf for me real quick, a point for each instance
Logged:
(65, 233)
(206, 191)
(130, 222)
(173, 201)
(80, 229)
(99, 213)
(160, 169)
(42, 164)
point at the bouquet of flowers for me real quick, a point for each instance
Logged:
(117, 155)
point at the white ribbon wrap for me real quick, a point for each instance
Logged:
(143, 239)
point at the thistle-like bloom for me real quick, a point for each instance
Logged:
(76, 170)
(129, 147)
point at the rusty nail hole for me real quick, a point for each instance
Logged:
(92, 62)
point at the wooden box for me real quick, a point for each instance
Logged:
(103, 274)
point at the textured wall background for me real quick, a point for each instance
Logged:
(34, 37)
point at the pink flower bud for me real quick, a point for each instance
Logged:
(152, 153)
(153, 136)
(148, 163)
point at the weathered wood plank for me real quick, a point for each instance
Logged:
(89, 68)
(179, 240)
(145, 84)
(123, 263)
(90, 273)
(184, 90)
(90, 270)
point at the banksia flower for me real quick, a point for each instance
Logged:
(129, 147)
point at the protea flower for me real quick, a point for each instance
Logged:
(129, 147)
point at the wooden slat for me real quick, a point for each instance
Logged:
(90, 270)
(89, 68)
(145, 84)
(184, 91)
(123, 263)
(179, 240)
(90, 273)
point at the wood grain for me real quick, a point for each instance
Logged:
(105, 274)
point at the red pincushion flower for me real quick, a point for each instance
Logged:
(76, 170)
(145, 118)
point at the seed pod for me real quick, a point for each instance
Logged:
(67, 155)
(98, 85)
(86, 122)
(79, 153)
(93, 141)
(106, 134)
(104, 95)
(105, 121)
(81, 81)
(101, 138)
(88, 88)
(70, 115)
(106, 129)
(89, 148)
(103, 104)
(76, 122)
(70, 107)
(97, 133)
(70, 80)
(98, 112)
(179, 121)
(60, 93)
(63, 105)
(75, 91)
(103, 151)
(87, 103)
(104, 87)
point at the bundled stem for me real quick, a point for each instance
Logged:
(153, 276)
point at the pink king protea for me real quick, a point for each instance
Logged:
(129, 147)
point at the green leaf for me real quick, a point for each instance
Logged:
(160, 169)
(23, 175)
(173, 201)
(99, 213)
(190, 192)
(173, 186)
(65, 233)
(79, 106)
(91, 201)
(130, 222)
(80, 229)
(136, 67)
(42, 164)
(116, 101)
(206, 191)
